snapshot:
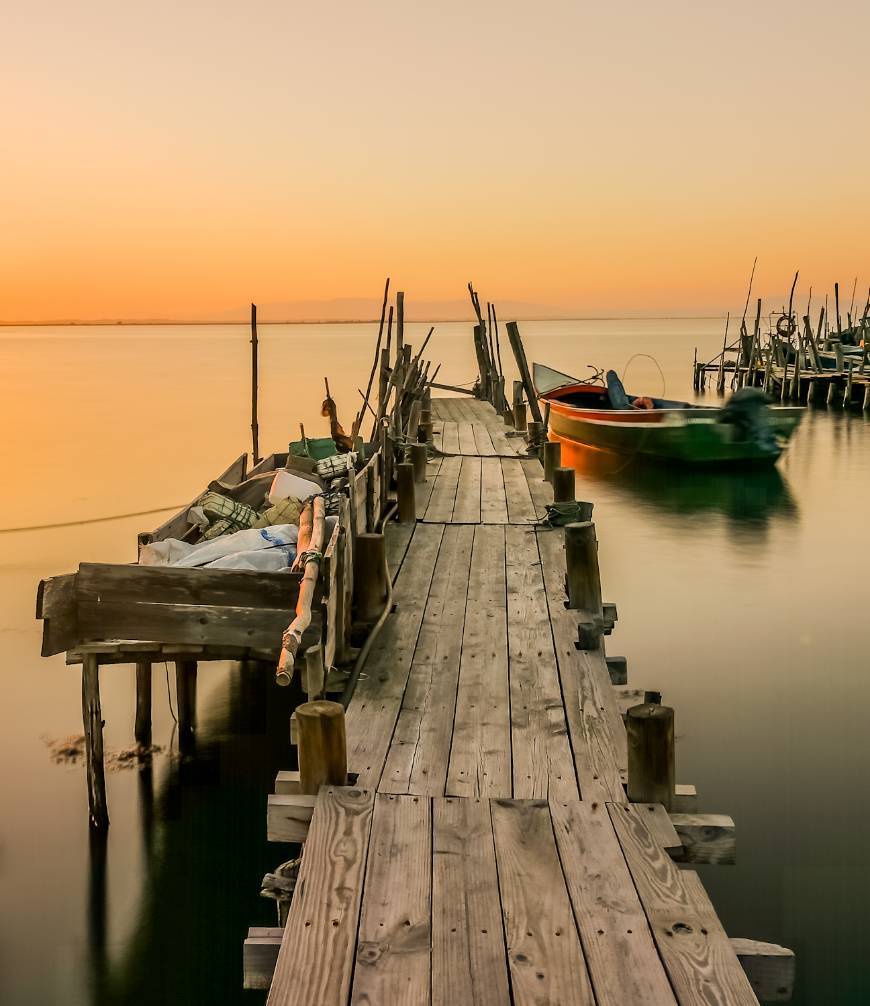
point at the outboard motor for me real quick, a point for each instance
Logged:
(747, 410)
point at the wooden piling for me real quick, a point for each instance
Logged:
(520, 416)
(523, 367)
(322, 745)
(369, 576)
(419, 456)
(865, 405)
(406, 493)
(552, 458)
(650, 732)
(563, 485)
(581, 566)
(847, 394)
(534, 433)
(185, 693)
(830, 398)
(92, 717)
(142, 728)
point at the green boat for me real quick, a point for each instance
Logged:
(600, 414)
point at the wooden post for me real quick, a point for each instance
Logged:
(563, 485)
(523, 367)
(419, 458)
(313, 673)
(581, 563)
(552, 458)
(650, 731)
(847, 394)
(534, 434)
(406, 493)
(142, 728)
(322, 745)
(520, 416)
(830, 397)
(92, 717)
(185, 694)
(866, 403)
(255, 429)
(369, 576)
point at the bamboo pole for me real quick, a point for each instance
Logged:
(359, 418)
(255, 429)
(309, 547)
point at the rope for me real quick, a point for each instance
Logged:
(560, 514)
(90, 520)
(310, 555)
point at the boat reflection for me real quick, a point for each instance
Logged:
(745, 495)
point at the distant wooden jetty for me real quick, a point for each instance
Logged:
(488, 813)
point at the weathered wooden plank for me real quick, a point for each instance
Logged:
(56, 606)
(183, 623)
(701, 964)
(316, 959)
(483, 441)
(450, 437)
(374, 707)
(466, 508)
(480, 759)
(467, 443)
(397, 538)
(392, 958)
(519, 499)
(288, 816)
(660, 827)
(540, 491)
(769, 967)
(705, 838)
(493, 502)
(423, 490)
(543, 766)
(420, 749)
(129, 583)
(595, 750)
(597, 694)
(468, 951)
(620, 952)
(259, 955)
(440, 508)
(543, 948)
(504, 446)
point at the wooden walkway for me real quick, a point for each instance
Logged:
(487, 853)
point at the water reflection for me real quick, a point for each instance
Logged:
(751, 495)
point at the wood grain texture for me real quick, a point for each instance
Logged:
(420, 749)
(480, 758)
(519, 500)
(423, 490)
(493, 502)
(701, 964)
(392, 957)
(466, 508)
(543, 766)
(468, 949)
(705, 838)
(543, 947)
(467, 443)
(315, 962)
(440, 507)
(620, 952)
(397, 538)
(595, 749)
(597, 730)
(375, 704)
(483, 441)
(540, 491)
(450, 437)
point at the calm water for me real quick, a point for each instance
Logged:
(741, 598)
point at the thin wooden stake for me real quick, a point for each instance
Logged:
(255, 429)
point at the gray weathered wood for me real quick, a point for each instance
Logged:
(392, 957)
(440, 508)
(92, 718)
(519, 499)
(493, 501)
(705, 838)
(650, 735)
(468, 951)
(544, 952)
(466, 508)
(315, 963)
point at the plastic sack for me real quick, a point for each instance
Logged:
(179, 553)
(287, 484)
(266, 560)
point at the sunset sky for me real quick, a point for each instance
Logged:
(179, 160)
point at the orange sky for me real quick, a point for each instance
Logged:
(181, 160)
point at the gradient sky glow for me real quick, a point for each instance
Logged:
(183, 159)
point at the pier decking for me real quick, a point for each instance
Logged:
(487, 852)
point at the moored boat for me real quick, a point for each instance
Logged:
(599, 413)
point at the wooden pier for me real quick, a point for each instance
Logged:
(487, 850)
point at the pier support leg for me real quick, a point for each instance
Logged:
(552, 458)
(419, 458)
(142, 728)
(534, 433)
(185, 691)
(520, 416)
(581, 563)
(322, 745)
(369, 576)
(866, 403)
(406, 493)
(563, 485)
(650, 730)
(829, 400)
(92, 716)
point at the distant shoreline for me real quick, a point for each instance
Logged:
(353, 321)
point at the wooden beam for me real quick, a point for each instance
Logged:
(523, 367)
(705, 838)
